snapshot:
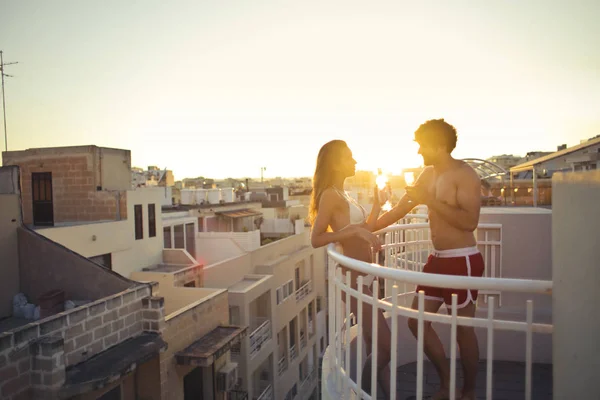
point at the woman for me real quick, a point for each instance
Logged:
(337, 218)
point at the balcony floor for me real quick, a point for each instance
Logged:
(508, 381)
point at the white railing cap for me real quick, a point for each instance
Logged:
(440, 280)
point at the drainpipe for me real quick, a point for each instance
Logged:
(535, 189)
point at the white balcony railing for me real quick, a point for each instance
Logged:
(281, 365)
(293, 352)
(308, 381)
(406, 249)
(259, 335)
(266, 391)
(303, 341)
(304, 290)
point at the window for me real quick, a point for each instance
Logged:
(322, 344)
(167, 237)
(105, 260)
(139, 222)
(151, 220)
(179, 240)
(190, 284)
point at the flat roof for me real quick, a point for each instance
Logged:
(247, 283)
(556, 154)
(203, 352)
(111, 364)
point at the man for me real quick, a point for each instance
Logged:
(451, 191)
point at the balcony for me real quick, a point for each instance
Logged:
(282, 366)
(506, 322)
(260, 335)
(307, 383)
(293, 352)
(303, 341)
(303, 290)
(266, 391)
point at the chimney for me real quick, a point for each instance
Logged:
(561, 147)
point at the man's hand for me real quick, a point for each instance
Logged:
(419, 194)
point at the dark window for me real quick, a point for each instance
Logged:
(41, 192)
(179, 240)
(151, 220)
(190, 242)
(190, 284)
(167, 237)
(113, 394)
(139, 222)
(105, 260)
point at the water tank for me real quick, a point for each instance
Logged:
(188, 196)
(201, 196)
(228, 195)
(214, 196)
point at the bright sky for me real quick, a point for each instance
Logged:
(222, 88)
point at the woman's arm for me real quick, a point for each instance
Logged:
(319, 237)
(375, 211)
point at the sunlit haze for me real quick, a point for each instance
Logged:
(222, 89)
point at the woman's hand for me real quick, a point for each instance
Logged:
(367, 236)
(376, 199)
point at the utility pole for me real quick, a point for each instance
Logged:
(262, 169)
(2, 64)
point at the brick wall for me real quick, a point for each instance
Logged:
(33, 358)
(181, 331)
(74, 182)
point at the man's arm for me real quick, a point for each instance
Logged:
(465, 215)
(405, 205)
(399, 211)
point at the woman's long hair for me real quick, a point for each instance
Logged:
(329, 155)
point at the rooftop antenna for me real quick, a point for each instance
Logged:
(2, 64)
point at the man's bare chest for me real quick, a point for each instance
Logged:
(444, 188)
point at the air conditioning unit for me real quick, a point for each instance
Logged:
(227, 377)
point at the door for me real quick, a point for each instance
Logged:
(41, 191)
(192, 385)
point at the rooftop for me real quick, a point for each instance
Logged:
(204, 351)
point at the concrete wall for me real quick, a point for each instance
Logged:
(228, 272)
(575, 296)
(178, 299)
(76, 175)
(92, 239)
(114, 166)
(45, 265)
(181, 331)
(214, 249)
(526, 250)
(147, 251)
(10, 217)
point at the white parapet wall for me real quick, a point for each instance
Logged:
(575, 253)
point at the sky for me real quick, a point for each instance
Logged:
(222, 88)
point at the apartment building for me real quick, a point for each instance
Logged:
(193, 320)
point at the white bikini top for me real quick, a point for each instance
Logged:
(358, 215)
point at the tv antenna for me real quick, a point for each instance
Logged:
(2, 64)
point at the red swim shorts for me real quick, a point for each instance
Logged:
(462, 262)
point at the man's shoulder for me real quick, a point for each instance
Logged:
(465, 171)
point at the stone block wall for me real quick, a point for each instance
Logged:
(33, 358)
(74, 187)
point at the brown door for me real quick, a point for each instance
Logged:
(41, 190)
